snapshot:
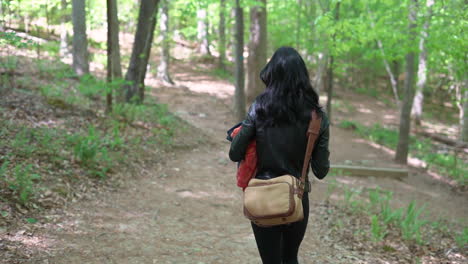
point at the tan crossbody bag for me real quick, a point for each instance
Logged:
(278, 201)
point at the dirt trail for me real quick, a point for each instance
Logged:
(188, 210)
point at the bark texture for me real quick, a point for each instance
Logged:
(80, 40)
(114, 69)
(257, 50)
(417, 108)
(140, 52)
(163, 69)
(202, 28)
(239, 60)
(401, 155)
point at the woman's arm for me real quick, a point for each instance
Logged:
(241, 141)
(320, 162)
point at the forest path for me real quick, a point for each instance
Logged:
(188, 208)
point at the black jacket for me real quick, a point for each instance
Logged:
(281, 149)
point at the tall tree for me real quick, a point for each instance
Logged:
(222, 35)
(239, 60)
(401, 155)
(114, 69)
(80, 40)
(329, 77)
(203, 36)
(141, 50)
(257, 50)
(163, 69)
(417, 108)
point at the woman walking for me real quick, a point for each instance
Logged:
(278, 121)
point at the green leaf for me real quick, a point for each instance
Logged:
(31, 220)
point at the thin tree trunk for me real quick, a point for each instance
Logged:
(239, 60)
(257, 50)
(393, 80)
(222, 35)
(329, 84)
(2, 17)
(140, 52)
(114, 69)
(401, 155)
(417, 109)
(203, 36)
(464, 114)
(322, 65)
(63, 31)
(298, 25)
(163, 69)
(329, 81)
(80, 41)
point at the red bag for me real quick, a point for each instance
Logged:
(248, 166)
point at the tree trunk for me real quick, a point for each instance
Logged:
(322, 59)
(393, 80)
(222, 35)
(239, 60)
(298, 25)
(140, 51)
(257, 50)
(203, 36)
(80, 41)
(329, 81)
(417, 109)
(163, 69)
(63, 31)
(401, 155)
(2, 17)
(464, 114)
(114, 69)
(329, 85)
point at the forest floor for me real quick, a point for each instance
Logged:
(185, 207)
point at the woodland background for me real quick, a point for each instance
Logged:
(93, 91)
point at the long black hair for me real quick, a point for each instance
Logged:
(288, 90)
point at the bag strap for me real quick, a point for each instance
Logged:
(312, 135)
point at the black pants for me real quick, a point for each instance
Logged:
(280, 244)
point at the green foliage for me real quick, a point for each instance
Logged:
(91, 151)
(462, 238)
(411, 223)
(11, 38)
(377, 230)
(22, 143)
(23, 182)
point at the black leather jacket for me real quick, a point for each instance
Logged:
(281, 149)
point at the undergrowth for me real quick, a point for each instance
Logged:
(385, 222)
(446, 162)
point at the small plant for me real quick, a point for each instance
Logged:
(411, 223)
(23, 182)
(331, 187)
(377, 230)
(86, 146)
(462, 238)
(91, 151)
(22, 143)
(3, 169)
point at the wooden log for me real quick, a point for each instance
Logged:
(370, 171)
(445, 140)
